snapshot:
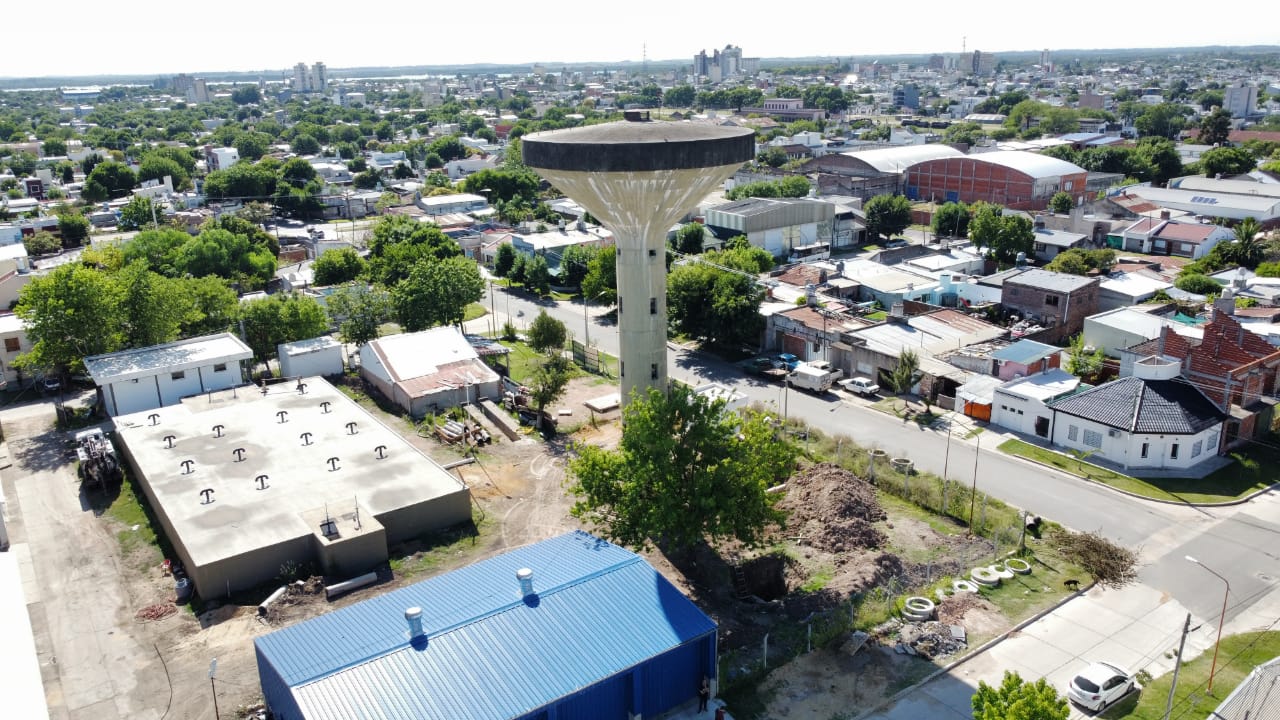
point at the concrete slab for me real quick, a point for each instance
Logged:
(1092, 613)
(1039, 657)
(1070, 636)
(233, 474)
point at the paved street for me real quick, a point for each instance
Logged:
(1134, 626)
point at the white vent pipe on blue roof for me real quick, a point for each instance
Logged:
(525, 576)
(414, 617)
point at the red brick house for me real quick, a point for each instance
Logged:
(1235, 368)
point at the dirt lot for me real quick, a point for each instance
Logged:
(839, 543)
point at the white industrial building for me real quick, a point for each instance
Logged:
(1115, 330)
(145, 378)
(1020, 404)
(1210, 204)
(778, 225)
(315, 356)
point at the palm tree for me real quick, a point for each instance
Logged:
(1247, 250)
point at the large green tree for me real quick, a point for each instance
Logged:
(1215, 127)
(337, 266)
(1226, 161)
(547, 334)
(689, 238)
(281, 318)
(887, 215)
(227, 255)
(437, 292)
(1016, 699)
(687, 471)
(360, 311)
(720, 307)
(951, 220)
(69, 313)
(108, 180)
(73, 227)
(153, 308)
(398, 242)
(601, 281)
(156, 166)
(501, 185)
(139, 212)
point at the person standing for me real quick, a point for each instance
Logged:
(704, 694)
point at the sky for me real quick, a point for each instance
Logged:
(271, 36)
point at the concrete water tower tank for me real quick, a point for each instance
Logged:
(639, 177)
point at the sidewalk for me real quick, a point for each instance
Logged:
(1133, 627)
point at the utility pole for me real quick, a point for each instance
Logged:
(1177, 665)
(213, 673)
(973, 496)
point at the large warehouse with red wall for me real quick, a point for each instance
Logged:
(1013, 178)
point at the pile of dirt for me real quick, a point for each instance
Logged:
(832, 509)
(953, 609)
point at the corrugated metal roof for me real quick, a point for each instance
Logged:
(599, 610)
(1024, 352)
(898, 159)
(1257, 698)
(169, 357)
(1030, 163)
(1052, 281)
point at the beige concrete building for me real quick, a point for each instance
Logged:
(246, 480)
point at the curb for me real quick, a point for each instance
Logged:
(975, 652)
(1112, 488)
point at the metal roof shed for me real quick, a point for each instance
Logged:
(600, 635)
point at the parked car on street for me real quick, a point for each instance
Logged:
(860, 386)
(1099, 685)
(787, 361)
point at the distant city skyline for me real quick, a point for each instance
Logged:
(77, 38)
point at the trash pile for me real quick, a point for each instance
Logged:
(158, 611)
(931, 639)
(831, 509)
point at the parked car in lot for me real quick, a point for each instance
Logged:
(860, 386)
(1099, 685)
(897, 243)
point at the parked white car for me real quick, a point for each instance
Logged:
(1099, 685)
(860, 386)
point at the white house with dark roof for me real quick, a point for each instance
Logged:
(1153, 419)
(146, 378)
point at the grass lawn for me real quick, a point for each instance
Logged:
(876, 316)
(1237, 657)
(1254, 471)
(136, 534)
(427, 553)
(901, 408)
(473, 311)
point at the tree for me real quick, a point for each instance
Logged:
(227, 255)
(69, 313)
(1164, 120)
(716, 306)
(216, 306)
(22, 163)
(1077, 261)
(689, 239)
(337, 266)
(1226, 161)
(547, 334)
(601, 281)
(367, 180)
(41, 243)
(504, 259)
(1017, 699)
(53, 147)
(549, 382)
(153, 308)
(1215, 127)
(887, 215)
(73, 227)
(687, 470)
(906, 373)
(575, 261)
(245, 94)
(137, 213)
(108, 180)
(502, 185)
(773, 157)
(537, 276)
(951, 220)
(252, 145)
(1081, 361)
(305, 145)
(1197, 283)
(158, 248)
(1061, 202)
(1111, 565)
(281, 318)
(680, 96)
(157, 167)
(360, 311)
(984, 224)
(242, 180)
(437, 292)
(1017, 235)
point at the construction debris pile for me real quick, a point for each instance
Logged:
(930, 639)
(831, 509)
(953, 609)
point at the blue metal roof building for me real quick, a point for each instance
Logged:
(602, 635)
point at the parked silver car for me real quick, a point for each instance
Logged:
(1099, 685)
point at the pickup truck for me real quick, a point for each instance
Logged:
(765, 368)
(817, 377)
(860, 386)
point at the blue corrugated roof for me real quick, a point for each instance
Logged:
(599, 610)
(1024, 352)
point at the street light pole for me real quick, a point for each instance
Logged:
(973, 495)
(1214, 667)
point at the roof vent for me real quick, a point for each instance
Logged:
(413, 616)
(525, 577)
(636, 115)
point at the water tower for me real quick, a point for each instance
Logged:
(639, 177)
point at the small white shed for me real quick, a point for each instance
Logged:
(315, 356)
(151, 377)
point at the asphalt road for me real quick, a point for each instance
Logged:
(1241, 543)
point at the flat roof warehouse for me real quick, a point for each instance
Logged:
(242, 481)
